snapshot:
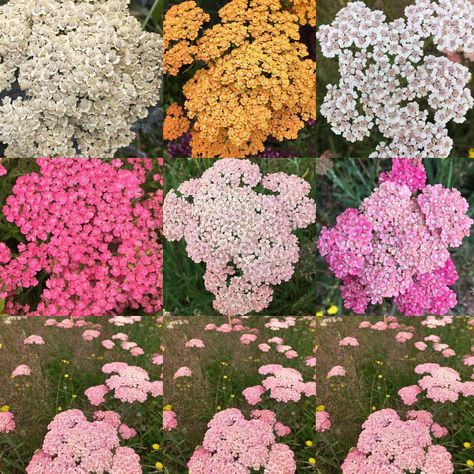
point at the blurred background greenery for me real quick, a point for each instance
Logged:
(184, 291)
(328, 73)
(350, 180)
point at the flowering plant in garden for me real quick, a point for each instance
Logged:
(74, 76)
(388, 82)
(244, 237)
(74, 444)
(258, 80)
(93, 230)
(389, 444)
(396, 245)
(234, 444)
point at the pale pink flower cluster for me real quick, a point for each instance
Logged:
(7, 422)
(284, 384)
(349, 341)
(442, 384)
(170, 421)
(129, 384)
(74, 444)
(433, 322)
(90, 334)
(183, 372)
(403, 336)
(21, 370)
(246, 339)
(387, 444)
(244, 237)
(323, 422)
(281, 347)
(336, 371)
(93, 230)
(235, 444)
(124, 320)
(386, 78)
(396, 245)
(198, 343)
(34, 339)
(275, 324)
(3, 170)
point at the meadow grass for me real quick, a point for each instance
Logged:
(184, 291)
(350, 181)
(220, 372)
(375, 371)
(61, 370)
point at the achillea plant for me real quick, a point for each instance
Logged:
(74, 76)
(235, 444)
(74, 444)
(244, 237)
(396, 245)
(389, 444)
(257, 82)
(92, 230)
(387, 82)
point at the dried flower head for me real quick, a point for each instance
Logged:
(77, 76)
(385, 76)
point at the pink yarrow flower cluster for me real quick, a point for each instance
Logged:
(283, 384)
(90, 226)
(74, 444)
(396, 245)
(442, 384)
(7, 422)
(244, 237)
(389, 444)
(235, 444)
(129, 384)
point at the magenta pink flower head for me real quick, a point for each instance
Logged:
(244, 237)
(90, 226)
(233, 444)
(74, 444)
(388, 444)
(396, 245)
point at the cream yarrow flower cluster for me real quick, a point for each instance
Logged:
(258, 80)
(388, 83)
(76, 76)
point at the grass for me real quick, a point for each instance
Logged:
(351, 180)
(375, 371)
(328, 73)
(62, 370)
(185, 294)
(220, 372)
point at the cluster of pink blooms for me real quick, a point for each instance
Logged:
(125, 344)
(442, 384)
(93, 230)
(130, 384)
(281, 347)
(445, 350)
(74, 444)
(244, 237)
(349, 341)
(433, 322)
(183, 372)
(124, 320)
(403, 336)
(3, 170)
(235, 444)
(170, 421)
(396, 245)
(390, 322)
(21, 371)
(275, 324)
(198, 343)
(336, 371)
(323, 422)
(7, 422)
(284, 384)
(387, 444)
(65, 323)
(33, 339)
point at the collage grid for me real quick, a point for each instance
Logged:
(236, 236)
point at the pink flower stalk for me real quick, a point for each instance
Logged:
(74, 444)
(183, 372)
(34, 339)
(7, 422)
(169, 420)
(21, 370)
(323, 422)
(349, 341)
(234, 444)
(389, 444)
(336, 371)
(244, 237)
(93, 230)
(396, 245)
(198, 343)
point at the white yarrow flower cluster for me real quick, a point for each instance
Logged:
(75, 76)
(387, 82)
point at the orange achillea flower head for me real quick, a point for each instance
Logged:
(258, 80)
(305, 10)
(175, 123)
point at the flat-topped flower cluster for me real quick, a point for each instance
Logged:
(396, 245)
(385, 76)
(93, 230)
(76, 76)
(245, 237)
